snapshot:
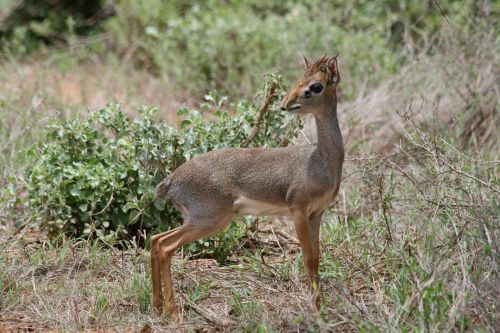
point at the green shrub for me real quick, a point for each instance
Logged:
(97, 176)
(227, 46)
(28, 24)
(206, 45)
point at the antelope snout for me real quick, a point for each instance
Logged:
(290, 104)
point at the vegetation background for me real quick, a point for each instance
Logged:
(101, 99)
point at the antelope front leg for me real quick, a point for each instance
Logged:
(306, 234)
(314, 227)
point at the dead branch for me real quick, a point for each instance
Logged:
(270, 94)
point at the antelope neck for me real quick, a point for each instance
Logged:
(330, 146)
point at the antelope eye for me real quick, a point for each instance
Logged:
(316, 88)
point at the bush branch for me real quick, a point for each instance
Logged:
(271, 93)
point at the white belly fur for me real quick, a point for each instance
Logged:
(245, 206)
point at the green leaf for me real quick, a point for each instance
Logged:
(133, 217)
(74, 189)
(84, 216)
(160, 204)
(182, 111)
(130, 205)
(185, 123)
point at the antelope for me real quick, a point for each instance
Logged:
(297, 181)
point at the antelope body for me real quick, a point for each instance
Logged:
(298, 181)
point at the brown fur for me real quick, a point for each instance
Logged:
(298, 181)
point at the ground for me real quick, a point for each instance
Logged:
(82, 284)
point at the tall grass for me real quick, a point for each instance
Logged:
(418, 218)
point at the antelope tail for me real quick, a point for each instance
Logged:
(163, 186)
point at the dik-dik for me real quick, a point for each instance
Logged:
(299, 181)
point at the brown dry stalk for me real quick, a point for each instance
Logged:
(270, 94)
(283, 234)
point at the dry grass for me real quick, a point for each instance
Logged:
(82, 285)
(60, 83)
(454, 85)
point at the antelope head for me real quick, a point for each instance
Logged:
(316, 89)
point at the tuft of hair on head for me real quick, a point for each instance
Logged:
(317, 66)
(326, 65)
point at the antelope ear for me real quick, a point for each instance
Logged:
(306, 61)
(334, 70)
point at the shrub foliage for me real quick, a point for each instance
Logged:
(97, 176)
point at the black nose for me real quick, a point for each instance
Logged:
(282, 108)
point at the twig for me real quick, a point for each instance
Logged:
(21, 228)
(383, 261)
(208, 317)
(305, 136)
(441, 10)
(283, 234)
(267, 101)
(438, 157)
(463, 173)
(340, 291)
(107, 205)
(346, 222)
(270, 268)
(279, 243)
